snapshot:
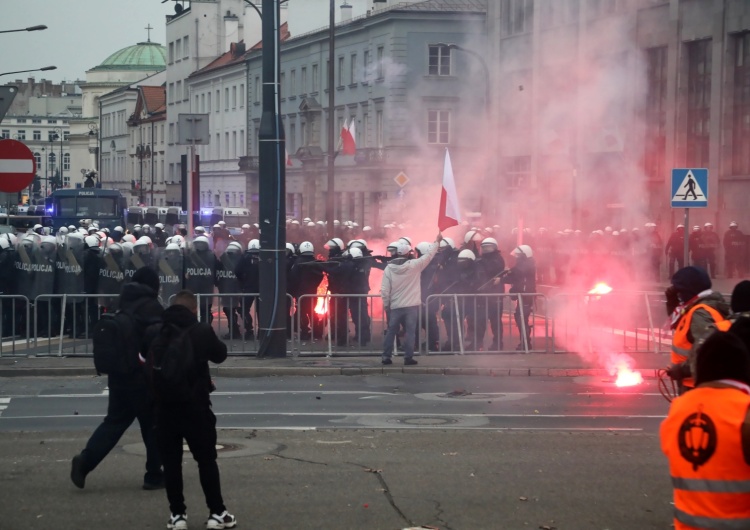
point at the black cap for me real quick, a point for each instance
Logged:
(689, 281)
(147, 276)
(741, 297)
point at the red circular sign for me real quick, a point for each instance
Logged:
(17, 166)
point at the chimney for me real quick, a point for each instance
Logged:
(346, 12)
(237, 49)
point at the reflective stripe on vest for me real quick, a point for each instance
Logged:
(711, 486)
(710, 523)
(681, 345)
(702, 438)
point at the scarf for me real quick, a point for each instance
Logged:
(681, 309)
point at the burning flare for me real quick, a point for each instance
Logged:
(628, 377)
(321, 307)
(600, 289)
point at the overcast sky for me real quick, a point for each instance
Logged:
(80, 34)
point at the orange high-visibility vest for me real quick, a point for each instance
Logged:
(702, 439)
(681, 345)
(724, 325)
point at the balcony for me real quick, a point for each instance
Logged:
(370, 156)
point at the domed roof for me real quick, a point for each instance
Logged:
(143, 56)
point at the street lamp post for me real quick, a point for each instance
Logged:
(42, 69)
(59, 135)
(30, 28)
(94, 146)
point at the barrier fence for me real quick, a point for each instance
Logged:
(355, 324)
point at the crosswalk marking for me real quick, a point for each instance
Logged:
(4, 402)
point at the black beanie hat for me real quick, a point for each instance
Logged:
(741, 297)
(147, 276)
(689, 281)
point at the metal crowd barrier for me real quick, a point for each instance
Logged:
(621, 321)
(462, 320)
(63, 324)
(234, 317)
(14, 325)
(324, 324)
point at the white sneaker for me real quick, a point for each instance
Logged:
(222, 520)
(177, 522)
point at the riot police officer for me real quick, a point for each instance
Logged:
(248, 274)
(711, 244)
(735, 251)
(304, 280)
(228, 283)
(522, 279)
(200, 275)
(491, 265)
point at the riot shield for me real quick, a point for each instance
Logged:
(70, 279)
(25, 275)
(225, 276)
(44, 270)
(200, 271)
(111, 272)
(170, 274)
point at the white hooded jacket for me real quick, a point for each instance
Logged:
(401, 286)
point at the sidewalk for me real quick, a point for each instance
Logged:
(522, 365)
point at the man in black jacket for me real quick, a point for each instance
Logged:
(191, 418)
(129, 395)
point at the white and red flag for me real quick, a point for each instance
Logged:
(450, 213)
(288, 158)
(348, 139)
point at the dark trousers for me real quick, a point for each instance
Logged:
(675, 260)
(197, 426)
(361, 318)
(711, 264)
(247, 317)
(521, 316)
(430, 323)
(337, 313)
(129, 399)
(406, 316)
(492, 310)
(734, 264)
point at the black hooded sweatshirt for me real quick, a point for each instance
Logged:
(206, 347)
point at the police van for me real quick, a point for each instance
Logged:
(71, 206)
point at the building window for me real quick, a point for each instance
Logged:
(516, 16)
(438, 126)
(21, 134)
(381, 66)
(439, 62)
(353, 69)
(171, 52)
(741, 112)
(178, 49)
(203, 103)
(293, 83)
(379, 128)
(366, 66)
(365, 129)
(699, 102)
(185, 91)
(51, 159)
(282, 82)
(36, 120)
(66, 162)
(242, 95)
(315, 78)
(303, 80)
(37, 135)
(234, 97)
(38, 159)
(66, 135)
(185, 47)
(656, 113)
(170, 92)
(208, 102)
(52, 122)
(340, 77)
(292, 138)
(6, 134)
(218, 100)
(517, 170)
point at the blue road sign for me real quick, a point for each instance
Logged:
(689, 188)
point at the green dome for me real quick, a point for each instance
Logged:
(142, 56)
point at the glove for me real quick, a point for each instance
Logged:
(672, 299)
(678, 372)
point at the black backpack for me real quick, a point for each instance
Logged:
(115, 338)
(171, 364)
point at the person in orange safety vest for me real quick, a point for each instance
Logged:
(695, 310)
(706, 438)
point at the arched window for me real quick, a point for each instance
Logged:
(66, 162)
(38, 158)
(51, 159)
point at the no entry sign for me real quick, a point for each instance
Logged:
(17, 166)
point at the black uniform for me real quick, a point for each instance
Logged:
(359, 283)
(491, 265)
(735, 251)
(522, 278)
(304, 280)
(248, 274)
(675, 250)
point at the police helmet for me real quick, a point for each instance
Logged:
(733, 224)
(200, 230)
(392, 247)
(4, 243)
(144, 240)
(522, 250)
(234, 247)
(489, 244)
(306, 248)
(290, 248)
(159, 226)
(72, 228)
(708, 225)
(447, 242)
(335, 242)
(62, 231)
(173, 247)
(355, 252)
(222, 224)
(119, 229)
(422, 248)
(136, 227)
(696, 228)
(466, 255)
(128, 238)
(403, 248)
(178, 240)
(200, 243)
(405, 238)
(253, 244)
(91, 241)
(245, 226)
(471, 235)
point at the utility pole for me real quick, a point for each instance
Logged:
(273, 311)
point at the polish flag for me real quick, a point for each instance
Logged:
(450, 213)
(348, 139)
(288, 158)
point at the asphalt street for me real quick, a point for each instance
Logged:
(361, 452)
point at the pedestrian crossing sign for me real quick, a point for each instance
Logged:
(689, 188)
